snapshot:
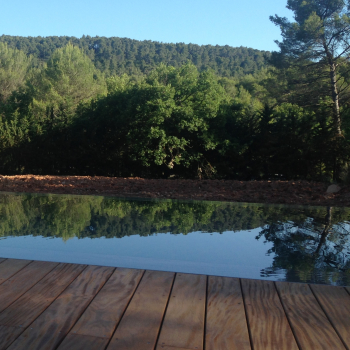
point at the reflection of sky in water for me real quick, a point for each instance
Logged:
(301, 244)
(235, 254)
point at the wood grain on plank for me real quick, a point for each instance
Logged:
(48, 330)
(335, 302)
(164, 347)
(139, 327)
(19, 283)
(268, 324)
(20, 314)
(5, 335)
(183, 325)
(83, 342)
(11, 266)
(311, 327)
(226, 326)
(103, 314)
(25, 309)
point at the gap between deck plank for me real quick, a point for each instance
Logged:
(140, 325)
(49, 329)
(20, 314)
(29, 296)
(26, 278)
(226, 326)
(9, 267)
(310, 324)
(183, 325)
(268, 324)
(83, 342)
(335, 302)
(100, 319)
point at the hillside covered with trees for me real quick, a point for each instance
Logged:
(120, 107)
(115, 56)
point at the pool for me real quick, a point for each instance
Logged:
(271, 242)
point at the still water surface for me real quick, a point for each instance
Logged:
(272, 242)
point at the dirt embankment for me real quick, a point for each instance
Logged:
(284, 192)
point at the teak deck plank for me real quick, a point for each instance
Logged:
(103, 314)
(47, 305)
(19, 283)
(9, 267)
(335, 302)
(48, 330)
(83, 342)
(18, 316)
(226, 326)
(311, 327)
(6, 334)
(268, 324)
(183, 326)
(139, 327)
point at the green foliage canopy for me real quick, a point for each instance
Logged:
(318, 44)
(14, 66)
(68, 78)
(116, 56)
(172, 120)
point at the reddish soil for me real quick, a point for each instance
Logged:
(286, 192)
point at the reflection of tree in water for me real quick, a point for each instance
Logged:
(309, 243)
(68, 216)
(311, 250)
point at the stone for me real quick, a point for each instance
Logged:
(333, 189)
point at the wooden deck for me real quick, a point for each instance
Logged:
(46, 305)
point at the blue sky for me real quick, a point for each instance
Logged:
(215, 22)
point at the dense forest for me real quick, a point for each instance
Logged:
(116, 56)
(306, 241)
(120, 107)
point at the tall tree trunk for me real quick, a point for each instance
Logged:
(336, 111)
(334, 88)
(335, 98)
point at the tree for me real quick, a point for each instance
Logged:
(171, 115)
(14, 65)
(68, 79)
(115, 56)
(159, 126)
(318, 43)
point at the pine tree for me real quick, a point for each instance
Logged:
(318, 43)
